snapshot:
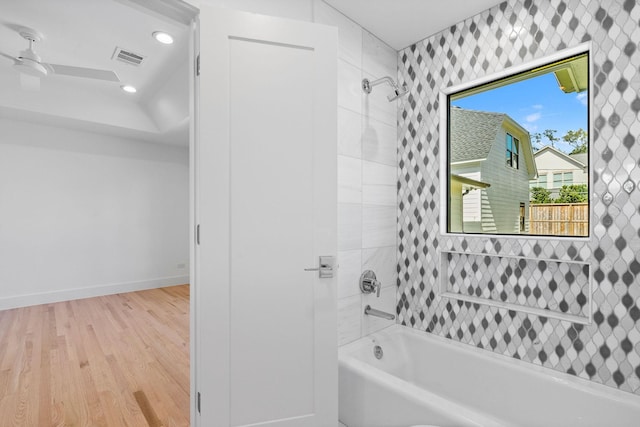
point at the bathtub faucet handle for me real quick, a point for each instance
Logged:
(369, 283)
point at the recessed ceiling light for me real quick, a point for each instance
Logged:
(163, 37)
(129, 89)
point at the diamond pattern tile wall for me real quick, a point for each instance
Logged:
(555, 286)
(606, 351)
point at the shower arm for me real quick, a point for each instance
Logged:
(368, 84)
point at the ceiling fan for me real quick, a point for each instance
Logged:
(28, 63)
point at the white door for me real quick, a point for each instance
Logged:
(265, 332)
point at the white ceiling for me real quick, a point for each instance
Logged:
(400, 23)
(85, 33)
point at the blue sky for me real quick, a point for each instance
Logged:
(536, 104)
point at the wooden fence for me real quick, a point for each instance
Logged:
(559, 219)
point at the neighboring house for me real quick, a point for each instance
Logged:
(556, 169)
(491, 163)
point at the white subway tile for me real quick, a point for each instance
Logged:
(378, 58)
(349, 226)
(349, 272)
(349, 180)
(378, 174)
(349, 133)
(378, 226)
(380, 195)
(349, 319)
(349, 86)
(379, 142)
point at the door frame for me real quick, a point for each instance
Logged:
(194, 116)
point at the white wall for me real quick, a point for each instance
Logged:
(509, 188)
(367, 175)
(83, 214)
(168, 105)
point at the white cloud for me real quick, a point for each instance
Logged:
(583, 98)
(537, 107)
(533, 117)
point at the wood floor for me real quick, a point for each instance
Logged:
(119, 360)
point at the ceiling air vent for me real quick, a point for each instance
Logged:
(127, 56)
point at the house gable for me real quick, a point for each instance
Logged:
(478, 153)
(553, 167)
(549, 158)
(474, 134)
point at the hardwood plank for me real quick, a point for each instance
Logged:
(118, 360)
(147, 409)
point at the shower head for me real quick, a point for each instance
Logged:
(398, 92)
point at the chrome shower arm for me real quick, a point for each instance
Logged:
(368, 84)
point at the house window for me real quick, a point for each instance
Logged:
(562, 178)
(513, 146)
(540, 182)
(522, 217)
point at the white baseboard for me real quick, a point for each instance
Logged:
(88, 292)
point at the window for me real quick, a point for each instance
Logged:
(513, 146)
(557, 180)
(523, 133)
(562, 178)
(567, 178)
(540, 182)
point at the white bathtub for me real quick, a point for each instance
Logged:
(425, 379)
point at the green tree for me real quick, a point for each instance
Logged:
(577, 139)
(540, 195)
(550, 134)
(576, 193)
(535, 140)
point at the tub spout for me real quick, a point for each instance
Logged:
(378, 313)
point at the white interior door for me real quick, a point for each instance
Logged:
(265, 332)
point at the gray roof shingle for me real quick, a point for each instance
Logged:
(473, 133)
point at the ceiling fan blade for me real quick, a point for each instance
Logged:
(87, 73)
(28, 82)
(13, 58)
